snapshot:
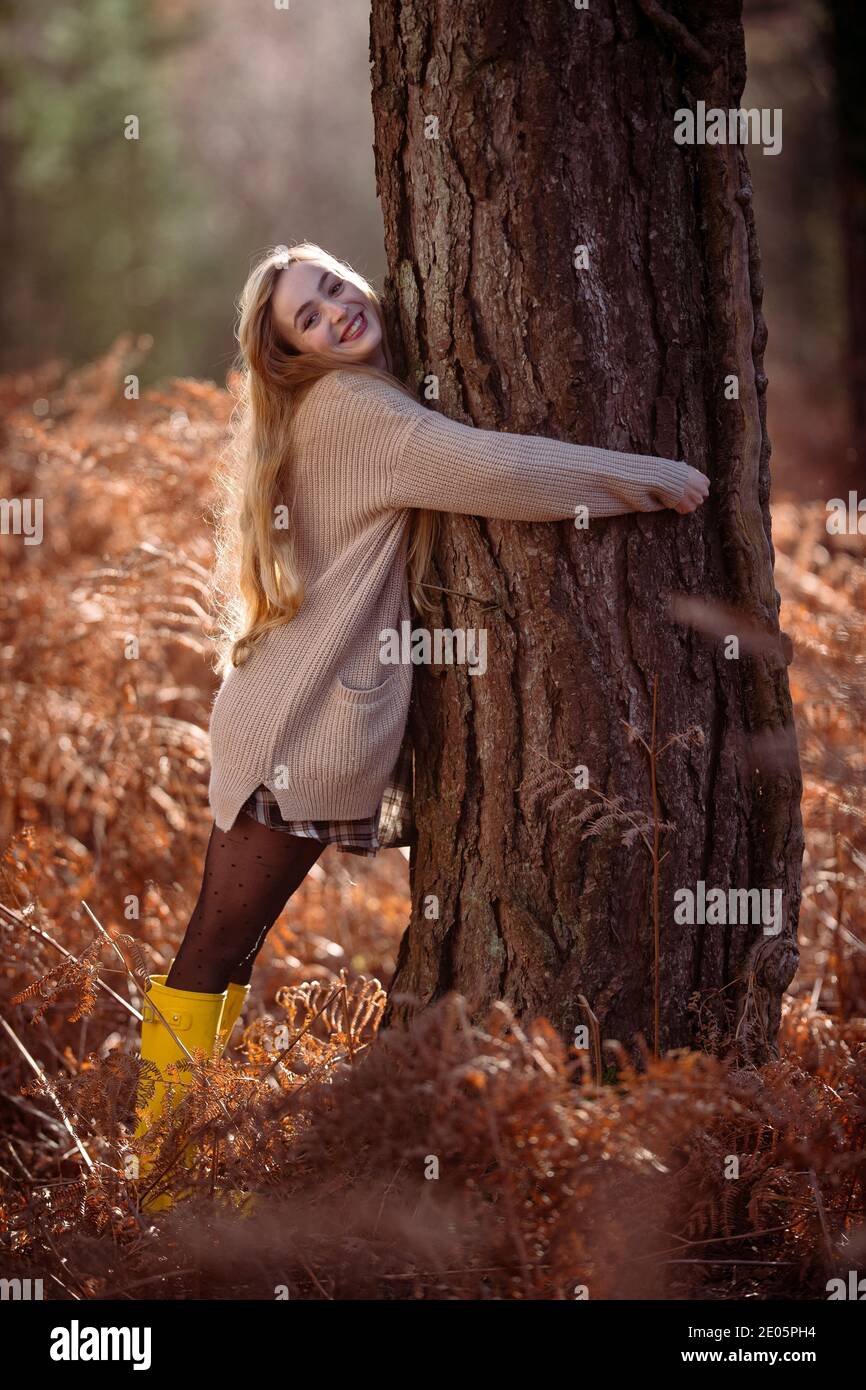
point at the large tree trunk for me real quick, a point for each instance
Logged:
(554, 129)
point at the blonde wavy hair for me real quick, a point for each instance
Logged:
(256, 583)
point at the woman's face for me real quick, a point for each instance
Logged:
(318, 311)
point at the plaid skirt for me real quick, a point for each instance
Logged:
(390, 825)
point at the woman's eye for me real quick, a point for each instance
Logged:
(335, 289)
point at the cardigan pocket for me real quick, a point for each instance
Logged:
(367, 726)
(367, 697)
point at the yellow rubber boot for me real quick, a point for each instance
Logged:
(194, 1018)
(236, 997)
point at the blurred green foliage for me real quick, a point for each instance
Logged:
(100, 228)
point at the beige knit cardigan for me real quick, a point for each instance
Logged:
(312, 713)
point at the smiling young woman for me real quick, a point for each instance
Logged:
(334, 315)
(334, 478)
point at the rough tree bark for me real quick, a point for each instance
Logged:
(506, 136)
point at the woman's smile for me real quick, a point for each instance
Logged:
(355, 328)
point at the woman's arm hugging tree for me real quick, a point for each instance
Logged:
(439, 464)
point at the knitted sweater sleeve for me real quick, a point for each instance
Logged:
(406, 455)
(444, 465)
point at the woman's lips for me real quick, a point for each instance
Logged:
(351, 334)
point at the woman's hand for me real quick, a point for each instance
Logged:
(695, 491)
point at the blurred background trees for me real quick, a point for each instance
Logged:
(803, 205)
(256, 128)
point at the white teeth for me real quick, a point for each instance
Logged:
(356, 323)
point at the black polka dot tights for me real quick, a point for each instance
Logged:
(250, 873)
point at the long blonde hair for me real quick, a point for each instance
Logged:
(256, 582)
